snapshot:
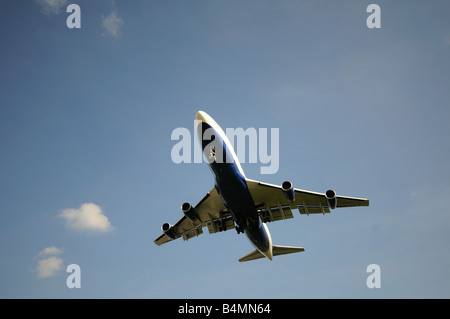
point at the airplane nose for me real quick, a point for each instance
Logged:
(200, 116)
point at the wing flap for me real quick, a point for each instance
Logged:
(313, 209)
(271, 214)
(223, 223)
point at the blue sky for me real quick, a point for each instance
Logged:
(86, 174)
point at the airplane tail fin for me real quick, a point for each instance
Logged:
(276, 251)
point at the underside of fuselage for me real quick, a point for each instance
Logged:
(231, 185)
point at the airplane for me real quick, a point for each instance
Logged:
(246, 205)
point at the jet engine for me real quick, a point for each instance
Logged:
(170, 231)
(288, 190)
(189, 211)
(330, 195)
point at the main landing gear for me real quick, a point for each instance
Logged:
(239, 229)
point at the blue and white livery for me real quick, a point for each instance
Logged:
(237, 202)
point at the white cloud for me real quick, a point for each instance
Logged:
(52, 250)
(49, 267)
(112, 24)
(51, 6)
(88, 217)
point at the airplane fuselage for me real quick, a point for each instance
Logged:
(230, 183)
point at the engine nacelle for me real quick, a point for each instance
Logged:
(330, 195)
(288, 190)
(189, 211)
(170, 231)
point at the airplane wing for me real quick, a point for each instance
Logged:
(210, 212)
(273, 204)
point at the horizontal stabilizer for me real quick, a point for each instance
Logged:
(253, 255)
(283, 250)
(276, 251)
